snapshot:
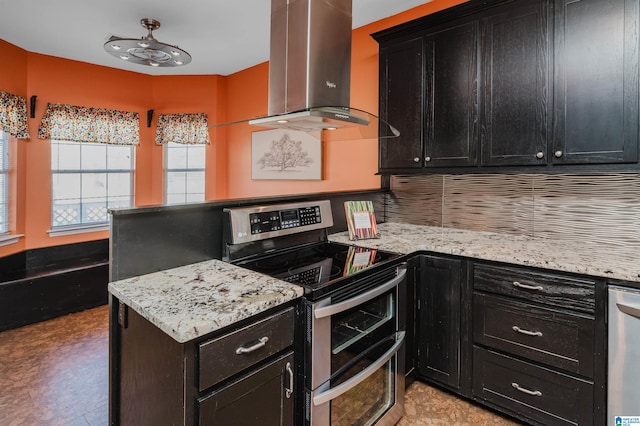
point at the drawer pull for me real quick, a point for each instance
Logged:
(527, 332)
(289, 390)
(527, 287)
(527, 391)
(261, 342)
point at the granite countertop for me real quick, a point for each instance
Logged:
(596, 260)
(193, 300)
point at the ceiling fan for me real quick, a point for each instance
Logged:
(147, 50)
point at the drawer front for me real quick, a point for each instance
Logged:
(558, 339)
(227, 355)
(550, 289)
(529, 391)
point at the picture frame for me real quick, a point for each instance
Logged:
(283, 154)
(361, 220)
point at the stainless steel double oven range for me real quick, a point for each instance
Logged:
(352, 367)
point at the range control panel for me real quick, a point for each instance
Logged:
(283, 219)
(261, 222)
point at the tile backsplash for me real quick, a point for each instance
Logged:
(588, 209)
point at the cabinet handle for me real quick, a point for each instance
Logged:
(527, 391)
(527, 287)
(416, 159)
(558, 154)
(527, 332)
(261, 342)
(540, 155)
(289, 390)
(427, 159)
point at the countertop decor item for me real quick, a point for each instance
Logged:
(361, 220)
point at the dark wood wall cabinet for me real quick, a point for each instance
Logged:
(509, 84)
(241, 376)
(528, 342)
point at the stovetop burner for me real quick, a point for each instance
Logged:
(321, 267)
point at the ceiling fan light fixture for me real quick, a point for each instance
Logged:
(147, 50)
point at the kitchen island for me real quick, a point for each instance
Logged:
(183, 343)
(191, 301)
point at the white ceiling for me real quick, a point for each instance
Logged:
(222, 36)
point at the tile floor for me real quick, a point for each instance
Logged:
(55, 373)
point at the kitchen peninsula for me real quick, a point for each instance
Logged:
(195, 306)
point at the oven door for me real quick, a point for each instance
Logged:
(355, 348)
(370, 391)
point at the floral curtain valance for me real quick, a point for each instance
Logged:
(83, 124)
(182, 128)
(13, 115)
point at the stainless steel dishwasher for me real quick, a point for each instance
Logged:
(623, 406)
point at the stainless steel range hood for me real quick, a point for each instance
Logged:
(310, 72)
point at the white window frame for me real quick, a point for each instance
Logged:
(5, 169)
(187, 196)
(84, 223)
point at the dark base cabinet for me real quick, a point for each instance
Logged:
(528, 342)
(539, 344)
(441, 329)
(154, 380)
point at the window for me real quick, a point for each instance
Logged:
(4, 183)
(184, 172)
(87, 179)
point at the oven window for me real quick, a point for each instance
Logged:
(368, 401)
(356, 331)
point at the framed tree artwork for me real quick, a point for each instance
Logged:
(286, 154)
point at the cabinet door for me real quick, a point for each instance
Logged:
(515, 46)
(259, 398)
(439, 326)
(451, 133)
(401, 103)
(596, 81)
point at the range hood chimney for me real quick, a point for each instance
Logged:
(310, 56)
(310, 73)
(310, 70)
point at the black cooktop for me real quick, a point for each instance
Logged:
(320, 268)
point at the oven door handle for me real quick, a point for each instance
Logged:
(333, 393)
(330, 310)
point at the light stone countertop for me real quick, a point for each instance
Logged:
(597, 260)
(193, 300)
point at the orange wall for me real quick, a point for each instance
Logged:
(13, 79)
(190, 94)
(347, 165)
(59, 80)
